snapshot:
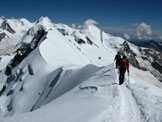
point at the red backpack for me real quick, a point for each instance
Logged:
(124, 64)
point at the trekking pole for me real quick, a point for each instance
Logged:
(128, 78)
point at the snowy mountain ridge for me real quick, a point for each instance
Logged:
(55, 72)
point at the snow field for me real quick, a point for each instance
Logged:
(64, 81)
(100, 97)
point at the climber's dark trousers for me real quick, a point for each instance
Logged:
(121, 76)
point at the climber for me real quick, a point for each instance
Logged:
(124, 65)
(118, 59)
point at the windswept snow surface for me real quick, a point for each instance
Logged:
(67, 78)
(99, 98)
(57, 50)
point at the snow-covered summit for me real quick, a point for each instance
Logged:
(45, 21)
(20, 24)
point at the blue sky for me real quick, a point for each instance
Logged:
(118, 17)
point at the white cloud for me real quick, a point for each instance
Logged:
(144, 31)
(119, 31)
(126, 36)
(139, 31)
(90, 22)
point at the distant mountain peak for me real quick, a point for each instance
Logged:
(149, 44)
(152, 41)
(44, 19)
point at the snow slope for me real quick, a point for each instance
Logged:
(99, 98)
(32, 82)
(92, 47)
(70, 76)
(60, 48)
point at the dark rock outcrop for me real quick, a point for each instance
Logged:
(2, 36)
(157, 66)
(6, 26)
(125, 50)
(156, 57)
(80, 41)
(24, 50)
(63, 31)
(89, 41)
(148, 55)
